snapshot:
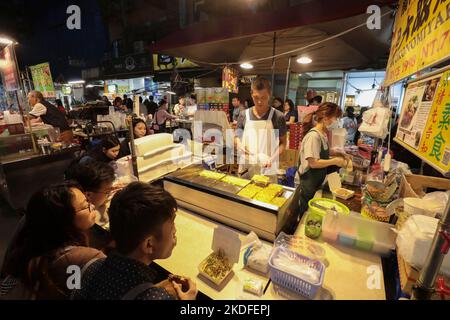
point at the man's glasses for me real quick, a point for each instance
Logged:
(89, 207)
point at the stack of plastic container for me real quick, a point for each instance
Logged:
(358, 232)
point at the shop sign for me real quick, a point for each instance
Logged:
(42, 80)
(421, 37)
(164, 62)
(8, 69)
(66, 90)
(424, 125)
(135, 63)
(230, 77)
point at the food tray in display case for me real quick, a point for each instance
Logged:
(222, 201)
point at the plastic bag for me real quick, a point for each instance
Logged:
(414, 241)
(301, 245)
(256, 255)
(375, 122)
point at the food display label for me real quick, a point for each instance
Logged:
(228, 241)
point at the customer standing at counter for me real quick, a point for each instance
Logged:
(142, 225)
(95, 178)
(161, 116)
(44, 111)
(238, 107)
(290, 113)
(351, 125)
(180, 107)
(261, 134)
(140, 130)
(278, 104)
(52, 239)
(106, 151)
(315, 151)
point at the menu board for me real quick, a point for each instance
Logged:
(424, 124)
(42, 80)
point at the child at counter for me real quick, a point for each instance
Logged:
(52, 239)
(142, 226)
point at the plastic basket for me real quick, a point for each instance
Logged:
(295, 283)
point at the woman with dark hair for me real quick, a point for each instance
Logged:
(290, 114)
(315, 151)
(140, 130)
(107, 151)
(161, 116)
(350, 123)
(278, 104)
(118, 104)
(52, 239)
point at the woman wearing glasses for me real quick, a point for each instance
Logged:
(53, 238)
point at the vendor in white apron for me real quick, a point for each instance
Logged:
(261, 134)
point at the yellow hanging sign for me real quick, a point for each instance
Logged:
(421, 37)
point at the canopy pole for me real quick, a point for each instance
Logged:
(288, 73)
(424, 287)
(273, 59)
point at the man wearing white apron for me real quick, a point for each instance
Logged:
(261, 134)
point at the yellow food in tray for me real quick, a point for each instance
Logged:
(236, 181)
(261, 180)
(276, 188)
(278, 201)
(212, 175)
(264, 196)
(249, 191)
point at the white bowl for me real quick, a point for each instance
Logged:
(415, 206)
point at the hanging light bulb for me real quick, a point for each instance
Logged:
(246, 65)
(304, 60)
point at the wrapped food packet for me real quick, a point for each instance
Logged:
(256, 257)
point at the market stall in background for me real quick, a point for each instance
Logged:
(244, 237)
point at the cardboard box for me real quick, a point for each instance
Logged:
(414, 186)
(289, 158)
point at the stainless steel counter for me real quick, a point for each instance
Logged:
(219, 201)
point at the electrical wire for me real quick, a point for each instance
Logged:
(290, 51)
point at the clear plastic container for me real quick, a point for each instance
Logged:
(358, 232)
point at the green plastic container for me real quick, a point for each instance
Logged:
(313, 222)
(328, 203)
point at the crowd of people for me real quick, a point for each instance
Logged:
(55, 235)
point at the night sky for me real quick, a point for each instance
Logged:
(40, 28)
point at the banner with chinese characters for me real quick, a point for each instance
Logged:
(424, 124)
(421, 37)
(230, 78)
(8, 69)
(42, 80)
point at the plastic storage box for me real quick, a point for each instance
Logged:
(292, 282)
(358, 232)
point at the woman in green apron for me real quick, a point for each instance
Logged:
(315, 151)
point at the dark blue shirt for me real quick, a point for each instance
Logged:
(115, 276)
